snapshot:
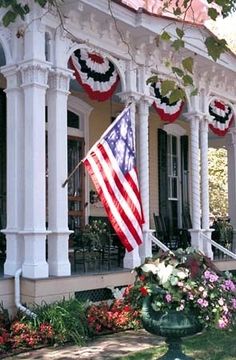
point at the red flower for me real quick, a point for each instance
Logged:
(144, 291)
(142, 277)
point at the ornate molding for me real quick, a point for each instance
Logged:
(60, 80)
(34, 74)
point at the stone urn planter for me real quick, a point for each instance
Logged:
(173, 325)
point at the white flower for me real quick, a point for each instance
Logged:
(164, 272)
(149, 268)
(181, 274)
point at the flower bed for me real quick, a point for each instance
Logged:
(181, 280)
(57, 323)
(113, 317)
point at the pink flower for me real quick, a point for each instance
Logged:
(234, 303)
(207, 274)
(223, 322)
(168, 297)
(213, 278)
(202, 302)
(190, 296)
(229, 285)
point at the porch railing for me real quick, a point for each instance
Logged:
(227, 254)
(158, 242)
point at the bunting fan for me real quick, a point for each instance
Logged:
(95, 73)
(221, 117)
(166, 111)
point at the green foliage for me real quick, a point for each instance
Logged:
(179, 32)
(67, 317)
(215, 47)
(218, 182)
(213, 13)
(165, 36)
(152, 79)
(15, 9)
(175, 95)
(223, 233)
(187, 64)
(178, 44)
(167, 86)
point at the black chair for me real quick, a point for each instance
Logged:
(184, 234)
(172, 241)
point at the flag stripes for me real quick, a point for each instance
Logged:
(111, 167)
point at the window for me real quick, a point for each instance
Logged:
(173, 180)
(172, 159)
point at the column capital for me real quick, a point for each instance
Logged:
(194, 115)
(9, 70)
(147, 99)
(12, 74)
(34, 73)
(129, 96)
(59, 79)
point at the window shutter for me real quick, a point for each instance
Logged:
(184, 179)
(162, 174)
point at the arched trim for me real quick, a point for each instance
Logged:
(5, 35)
(174, 129)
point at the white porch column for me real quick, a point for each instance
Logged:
(15, 157)
(205, 186)
(34, 82)
(231, 150)
(195, 181)
(58, 259)
(145, 250)
(132, 258)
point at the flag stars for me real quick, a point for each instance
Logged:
(120, 140)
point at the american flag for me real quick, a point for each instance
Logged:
(111, 165)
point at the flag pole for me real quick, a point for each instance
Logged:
(72, 173)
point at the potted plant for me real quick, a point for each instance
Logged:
(184, 294)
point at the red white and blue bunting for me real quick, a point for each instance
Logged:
(221, 117)
(166, 111)
(95, 73)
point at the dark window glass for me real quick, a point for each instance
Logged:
(72, 120)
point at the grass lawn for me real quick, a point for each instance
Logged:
(214, 345)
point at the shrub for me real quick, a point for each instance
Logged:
(67, 319)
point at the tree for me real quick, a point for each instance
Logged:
(218, 181)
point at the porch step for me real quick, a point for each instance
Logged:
(224, 265)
